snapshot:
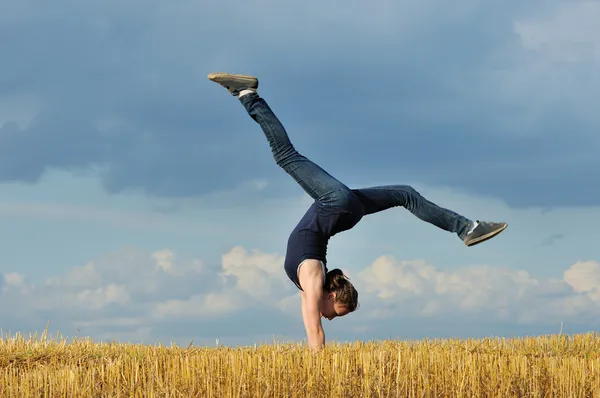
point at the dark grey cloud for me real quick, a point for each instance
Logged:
(411, 92)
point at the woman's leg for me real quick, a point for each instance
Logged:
(376, 199)
(315, 181)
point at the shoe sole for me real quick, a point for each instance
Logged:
(221, 77)
(487, 236)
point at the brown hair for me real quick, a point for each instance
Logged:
(345, 294)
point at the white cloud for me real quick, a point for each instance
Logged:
(85, 276)
(391, 281)
(201, 305)
(103, 296)
(164, 260)
(14, 279)
(498, 292)
(157, 287)
(584, 277)
(132, 291)
(260, 275)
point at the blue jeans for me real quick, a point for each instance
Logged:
(328, 192)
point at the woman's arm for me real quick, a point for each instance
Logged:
(311, 279)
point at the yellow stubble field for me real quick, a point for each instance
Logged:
(546, 366)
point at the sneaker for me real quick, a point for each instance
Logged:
(483, 231)
(234, 83)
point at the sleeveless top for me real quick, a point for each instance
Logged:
(310, 237)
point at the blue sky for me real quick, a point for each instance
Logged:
(139, 202)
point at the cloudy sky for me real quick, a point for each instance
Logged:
(139, 202)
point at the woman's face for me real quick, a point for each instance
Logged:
(329, 308)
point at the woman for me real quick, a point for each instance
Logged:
(336, 208)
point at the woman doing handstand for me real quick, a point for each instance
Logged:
(336, 208)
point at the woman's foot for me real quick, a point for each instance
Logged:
(483, 231)
(235, 84)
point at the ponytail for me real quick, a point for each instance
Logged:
(334, 280)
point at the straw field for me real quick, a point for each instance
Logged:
(548, 366)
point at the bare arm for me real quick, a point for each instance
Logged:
(311, 279)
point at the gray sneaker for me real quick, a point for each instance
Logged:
(234, 83)
(484, 231)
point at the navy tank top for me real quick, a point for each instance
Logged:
(310, 237)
